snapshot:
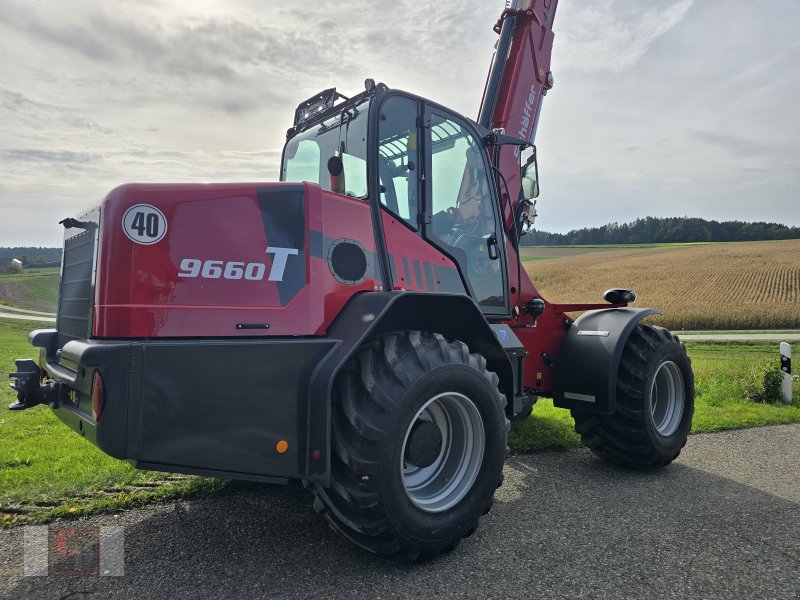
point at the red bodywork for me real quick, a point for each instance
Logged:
(140, 292)
(209, 323)
(525, 80)
(516, 109)
(141, 295)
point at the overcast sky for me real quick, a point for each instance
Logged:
(661, 107)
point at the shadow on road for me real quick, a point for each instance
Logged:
(565, 525)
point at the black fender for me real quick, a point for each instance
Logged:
(369, 315)
(588, 361)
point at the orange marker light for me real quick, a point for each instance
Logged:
(282, 446)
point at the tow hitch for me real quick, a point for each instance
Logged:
(26, 383)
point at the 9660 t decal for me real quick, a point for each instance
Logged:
(216, 269)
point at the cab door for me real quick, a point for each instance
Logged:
(461, 213)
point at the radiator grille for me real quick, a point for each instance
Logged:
(75, 296)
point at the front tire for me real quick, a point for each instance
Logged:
(418, 444)
(654, 404)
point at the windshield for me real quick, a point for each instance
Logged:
(306, 155)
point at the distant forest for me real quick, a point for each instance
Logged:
(650, 230)
(655, 230)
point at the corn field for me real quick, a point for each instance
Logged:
(747, 285)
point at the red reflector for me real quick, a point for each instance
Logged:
(98, 396)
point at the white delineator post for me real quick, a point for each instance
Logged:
(786, 372)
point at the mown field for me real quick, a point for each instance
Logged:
(745, 285)
(36, 289)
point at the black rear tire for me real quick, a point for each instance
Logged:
(654, 404)
(391, 387)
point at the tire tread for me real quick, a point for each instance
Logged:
(622, 437)
(366, 393)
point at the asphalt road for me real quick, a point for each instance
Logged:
(723, 521)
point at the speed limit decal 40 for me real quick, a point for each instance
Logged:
(144, 224)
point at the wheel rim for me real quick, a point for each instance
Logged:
(667, 398)
(442, 484)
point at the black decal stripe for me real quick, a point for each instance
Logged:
(392, 267)
(418, 273)
(429, 276)
(316, 244)
(407, 271)
(283, 215)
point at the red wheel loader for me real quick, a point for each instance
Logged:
(369, 331)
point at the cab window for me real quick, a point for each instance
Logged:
(464, 219)
(398, 158)
(306, 155)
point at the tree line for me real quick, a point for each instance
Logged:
(657, 230)
(649, 230)
(29, 256)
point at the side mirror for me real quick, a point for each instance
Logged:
(336, 173)
(529, 172)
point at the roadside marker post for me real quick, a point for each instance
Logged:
(786, 372)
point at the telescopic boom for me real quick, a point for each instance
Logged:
(519, 79)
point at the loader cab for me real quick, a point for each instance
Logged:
(419, 162)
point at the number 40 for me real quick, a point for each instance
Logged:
(148, 225)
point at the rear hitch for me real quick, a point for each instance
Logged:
(26, 383)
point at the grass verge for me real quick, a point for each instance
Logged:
(724, 373)
(47, 471)
(36, 289)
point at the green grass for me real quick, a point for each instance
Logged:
(36, 289)
(724, 371)
(548, 428)
(645, 245)
(681, 332)
(47, 471)
(546, 252)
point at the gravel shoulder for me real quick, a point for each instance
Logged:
(26, 317)
(14, 309)
(723, 521)
(23, 314)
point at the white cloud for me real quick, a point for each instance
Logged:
(660, 108)
(602, 35)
